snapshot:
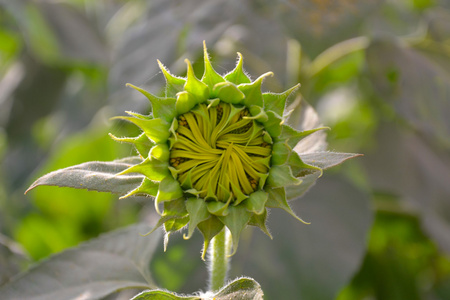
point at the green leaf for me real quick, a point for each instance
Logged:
(198, 212)
(169, 189)
(293, 136)
(174, 84)
(209, 229)
(325, 160)
(280, 176)
(228, 92)
(280, 153)
(242, 288)
(162, 295)
(236, 220)
(163, 108)
(156, 129)
(146, 188)
(114, 261)
(175, 209)
(152, 168)
(260, 221)
(277, 102)
(252, 91)
(238, 76)
(142, 143)
(273, 124)
(94, 176)
(210, 76)
(277, 199)
(194, 86)
(296, 191)
(256, 202)
(185, 102)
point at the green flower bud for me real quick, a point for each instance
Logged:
(217, 152)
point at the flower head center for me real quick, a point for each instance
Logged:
(219, 152)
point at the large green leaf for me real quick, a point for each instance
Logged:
(96, 176)
(242, 289)
(114, 261)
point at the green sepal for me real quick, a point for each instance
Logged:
(257, 113)
(281, 176)
(267, 138)
(175, 209)
(160, 152)
(277, 199)
(163, 108)
(262, 180)
(147, 187)
(240, 196)
(236, 220)
(219, 208)
(169, 189)
(198, 212)
(256, 202)
(213, 102)
(273, 124)
(174, 84)
(173, 225)
(142, 143)
(210, 76)
(187, 182)
(176, 224)
(238, 76)
(260, 221)
(280, 153)
(185, 102)
(139, 116)
(293, 136)
(252, 91)
(299, 168)
(227, 92)
(156, 129)
(209, 229)
(276, 102)
(153, 169)
(194, 86)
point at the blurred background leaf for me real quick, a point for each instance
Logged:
(376, 71)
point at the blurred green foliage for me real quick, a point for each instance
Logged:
(377, 72)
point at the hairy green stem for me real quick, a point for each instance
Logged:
(218, 260)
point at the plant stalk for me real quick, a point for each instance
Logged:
(218, 259)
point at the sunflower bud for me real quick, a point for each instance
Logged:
(217, 152)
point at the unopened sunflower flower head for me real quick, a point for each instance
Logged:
(217, 152)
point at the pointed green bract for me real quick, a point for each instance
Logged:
(209, 229)
(277, 199)
(198, 212)
(252, 91)
(194, 86)
(236, 220)
(238, 76)
(162, 107)
(174, 84)
(280, 176)
(142, 143)
(276, 102)
(210, 76)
